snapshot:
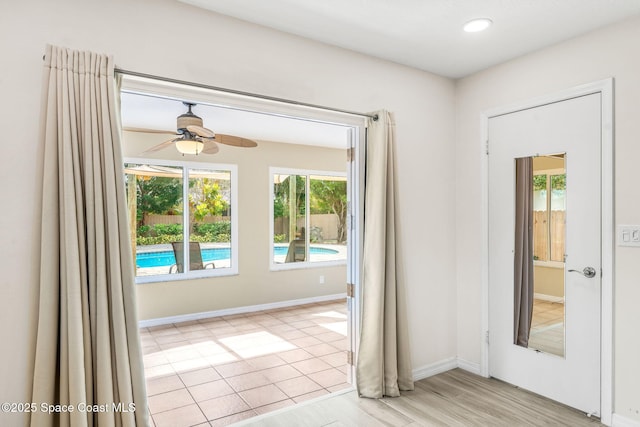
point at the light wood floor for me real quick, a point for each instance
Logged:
(547, 327)
(454, 398)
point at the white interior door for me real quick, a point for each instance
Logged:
(572, 127)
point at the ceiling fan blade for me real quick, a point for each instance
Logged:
(235, 141)
(210, 147)
(200, 131)
(143, 130)
(160, 146)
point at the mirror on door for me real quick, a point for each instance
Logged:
(539, 253)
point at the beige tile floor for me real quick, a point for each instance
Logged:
(547, 327)
(217, 371)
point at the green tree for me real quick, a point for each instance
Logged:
(539, 182)
(156, 195)
(282, 196)
(559, 182)
(285, 202)
(206, 199)
(330, 197)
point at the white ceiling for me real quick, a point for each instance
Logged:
(157, 113)
(427, 34)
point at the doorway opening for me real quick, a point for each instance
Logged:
(253, 332)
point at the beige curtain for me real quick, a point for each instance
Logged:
(88, 349)
(523, 252)
(384, 366)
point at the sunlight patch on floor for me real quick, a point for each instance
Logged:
(257, 344)
(338, 327)
(331, 314)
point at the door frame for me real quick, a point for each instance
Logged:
(355, 159)
(605, 88)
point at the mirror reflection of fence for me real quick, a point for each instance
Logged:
(540, 296)
(549, 245)
(549, 205)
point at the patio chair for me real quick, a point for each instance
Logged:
(297, 251)
(195, 258)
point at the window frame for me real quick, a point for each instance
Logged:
(549, 173)
(188, 165)
(308, 173)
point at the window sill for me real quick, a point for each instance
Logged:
(192, 275)
(305, 265)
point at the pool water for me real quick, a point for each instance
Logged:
(166, 258)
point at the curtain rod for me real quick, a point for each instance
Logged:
(238, 92)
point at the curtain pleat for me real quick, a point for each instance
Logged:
(88, 349)
(384, 365)
(523, 252)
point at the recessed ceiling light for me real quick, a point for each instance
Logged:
(476, 25)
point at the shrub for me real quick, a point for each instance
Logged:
(214, 228)
(222, 237)
(210, 238)
(279, 238)
(157, 240)
(143, 230)
(166, 233)
(199, 238)
(161, 229)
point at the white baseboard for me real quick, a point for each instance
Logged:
(550, 298)
(472, 367)
(435, 368)
(237, 310)
(444, 366)
(620, 421)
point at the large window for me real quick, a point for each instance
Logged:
(308, 218)
(184, 217)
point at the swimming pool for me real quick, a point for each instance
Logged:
(166, 258)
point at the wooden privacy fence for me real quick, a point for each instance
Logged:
(545, 229)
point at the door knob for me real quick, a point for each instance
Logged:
(588, 272)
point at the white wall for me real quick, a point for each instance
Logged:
(610, 52)
(171, 39)
(548, 281)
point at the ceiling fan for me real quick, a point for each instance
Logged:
(195, 139)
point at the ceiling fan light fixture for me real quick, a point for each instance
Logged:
(189, 146)
(476, 25)
(195, 139)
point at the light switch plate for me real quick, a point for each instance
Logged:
(629, 235)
